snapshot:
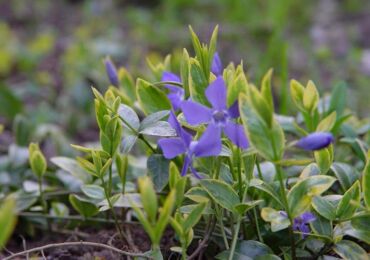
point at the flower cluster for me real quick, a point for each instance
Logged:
(219, 119)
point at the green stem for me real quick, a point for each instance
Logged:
(260, 238)
(122, 235)
(43, 202)
(259, 170)
(222, 227)
(235, 238)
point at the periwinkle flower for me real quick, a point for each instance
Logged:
(301, 223)
(216, 67)
(111, 72)
(219, 116)
(315, 141)
(176, 94)
(184, 144)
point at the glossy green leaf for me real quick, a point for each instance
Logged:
(153, 118)
(346, 174)
(322, 227)
(197, 82)
(198, 194)
(93, 191)
(247, 250)
(268, 142)
(160, 128)
(222, 193)
(193, 217)
(86, 209)
(323, 159)
(150, 98)
(277, 220)
(349, 202)
(327, 124)
(350, 250)
(323, 207)
(300, 196)
(361, 222)
(129, 117)
(310, 97)
(366, 182)
(7, 220)
(158, 170)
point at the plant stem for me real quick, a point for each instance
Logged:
(287, 209)
(81, 243)
(235, 238)
(43, 202)
(260, 238)
(259, 170)
(179, 84)
(122, 235)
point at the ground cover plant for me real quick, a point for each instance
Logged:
(199, 163)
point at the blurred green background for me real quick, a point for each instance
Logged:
(51, 53)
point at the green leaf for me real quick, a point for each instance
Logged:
(127, 200)
(197, 82)
(127, 84)
(310, 97)
(366, 182)
(338, 99)
(260, 105)
(72, 167)
(296, 91)
(265, 187)
(361, 222)
(268, 142)
(7, 220)
(198, 194)
(266, 89)
(323, 159)
(158, 168)
(129, 116)
(93, 191)
(128, 142)
(322, 227)
(242, 208)
(323, 207)
(193, 218)
(300, 196)
(164, 216)
(346, 174)
(327, 124)
(222, 193)
(350, 250)
(153, 118)
(148, 197)
(249, 249)
(160, 128)
(349, 202)
(277, 220)
(150, 98)
(82, 206)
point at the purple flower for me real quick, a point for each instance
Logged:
(219, 116)
(184, 144)
(176, 95)
(315, 141)
(111, 72)
(301, 222)
(216, 66)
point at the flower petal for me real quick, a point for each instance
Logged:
(196, 174)
(236, 134)
(216, 67)
(209, 143)
(196, 113)
(234, 110)
(216, 94)
(169, 76)
(185, 167)
(172, 120)
(307, 217)
(172, 147)
(175, 99)
(315, 141)
(111, 72)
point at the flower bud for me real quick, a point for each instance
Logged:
(315, 141)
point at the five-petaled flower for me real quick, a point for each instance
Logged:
(219, 116)
(301, 223)
(184, 144)
(176, 94)
(315, 141)
(216, 67)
